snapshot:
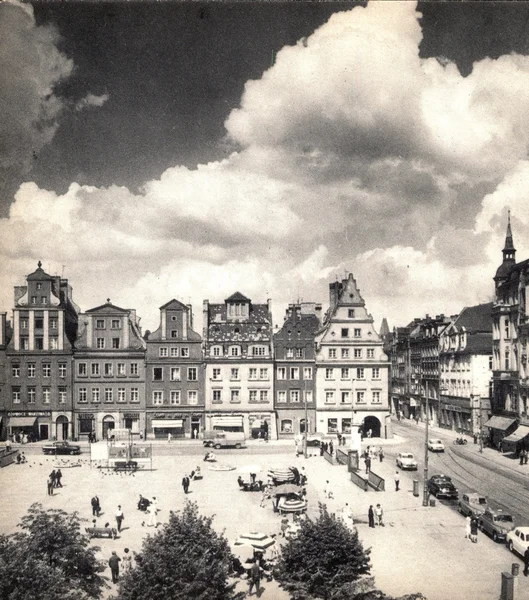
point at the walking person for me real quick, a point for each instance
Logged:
(521, 455)
(96, 507)
(53, 476)
(371, 516)
(379, 513)
(169, 437)
(119, 517)
(474, 529)
(467, 527)
(254, 578)
(381, 454)
(185, 483)
(127, 560)
(331, 448)
(367, 460)
(153, 508)
(50, 485)
(397, 481)
(58, 477)
(526, 562)
(113, 563)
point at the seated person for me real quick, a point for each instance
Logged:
(143, 503)
(240, 481)
(198, 474)
(113, 530)
(210, 457)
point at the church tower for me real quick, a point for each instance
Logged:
(509, 254)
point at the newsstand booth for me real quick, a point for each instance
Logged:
(499, 428)
(517, 440)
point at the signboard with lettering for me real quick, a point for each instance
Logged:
(30, 413)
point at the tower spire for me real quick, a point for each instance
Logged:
(509, 250)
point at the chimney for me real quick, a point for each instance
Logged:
(205, 322)
(190, 315)
(3, 317)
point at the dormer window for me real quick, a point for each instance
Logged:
(39, 286)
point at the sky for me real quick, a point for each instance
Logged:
(151, 151)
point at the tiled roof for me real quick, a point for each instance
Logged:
(108, 307)
(176, 304)
(476, 318)
(192, 336)
(256, 327)
(478, 343)
(237, 297)
(39, 275)
(307, 324)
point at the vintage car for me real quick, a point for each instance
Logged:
(61, 448)
(497, 523)
(518, 540)
(441, 486)
(436, 445)
(406, 460)
(472, 505)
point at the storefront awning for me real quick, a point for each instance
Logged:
(518, 435)
(22, 421)
(167, 423)
(226, 421)
(501, 423)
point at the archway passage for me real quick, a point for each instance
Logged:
(372, 424)
(61, 428)
(108, 425)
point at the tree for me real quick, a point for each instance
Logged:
(49, 559)
(324, 557)
(186, 559)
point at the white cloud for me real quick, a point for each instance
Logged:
(91, 100)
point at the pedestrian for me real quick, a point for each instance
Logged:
(254, 578)
(369, 433)
(474, 529)
(381, 454)
(153, 510)
(113, 563)
(371, 516)
(526, 562)
(58, 477)
(321, 448)
(53, 476)
(525, 457)
(169, 437)
(284, 526)
(467, 527)
(379, 513)
(50, 486)
(339, 437)
(127, 560)
(331, 448)
(397, 481)
(327, 491)
(119, 517)
(96, 507)
(520, 455)
(185, 483)
(367, 460)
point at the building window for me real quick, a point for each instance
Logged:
(252, 395)
(39, 343)
(294, 373)
(308, 396)
(109, 369)
(33, 299)
(345, 373)
(329, 397)
(62, 370)
(175, 373)
(329, 373)
(357, 333)
(346, 425)
(53, 323)
(46, 395)
(109, 396)
(490, 363)
(235, 350)
(192, 397)
(360, 374)
(157, 397)
(175, 396)
(100, 343)
(116, 323)
(121, 369)
(281, 396)
(216, 374)
(376, 373)
(115, 343)
(259, 351)
(134, 395)
(281, 373)
(234, 374)
(307, 373)
(157, 374)
(121, 395)
(358, 352)
(263, 395)
(54, 343)
(15, 394)
(81, 369)
(345, 397)
(174, 352)
(100, 323)
(15, 370)
(263, 374)
(174, 318)
(44, 300)
(235, 396)
(252, 374)
(174, 333)
(133, 368)
(345, 352)
(294, 395)
(376, 398)
(95, 370)
(31, 369)
(215, 351)
(39, 323)
(163, 352)
(95, 395)
(345, 332)
(23, 323)
(184, 352)
(360, 397)
(507, 328)
(351, 313)
(62, 395)
(82, 395)
(217, 396)
(300, 352)
(332, 425)
(290, 352)
(192, 374)
(286, 426)
(31, 395)
(332, 352)
(24, 342)
(370, 353)
(46, 369)
(507, 360)
(39, 286)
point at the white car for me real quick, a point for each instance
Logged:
(436, 445)
(518, 540)
(406, 460)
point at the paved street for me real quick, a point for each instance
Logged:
(419, 549)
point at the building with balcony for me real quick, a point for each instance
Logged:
(109, 372)
(239, 368)
(39, 358)
(174, 386)
(352, 369)
(294, 369)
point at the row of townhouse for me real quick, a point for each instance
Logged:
(65, 373)
(472, 366)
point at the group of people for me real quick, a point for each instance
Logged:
(21, 459)
(210, 457)
(113, 563)
(54, 481)
(327, 447)
(20, 437)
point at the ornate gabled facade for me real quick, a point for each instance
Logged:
(39, 358)
(238, 354)
(174, 376)
(109, 372)
(352, 368)
(295, 366)
(465, 362)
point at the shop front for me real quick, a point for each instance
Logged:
(85, 425)
(29, 426)
(518, 440)
(333, 422)
(231, 422)
(291, 422)
(178, 425)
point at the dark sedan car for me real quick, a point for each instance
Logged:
(61, 448)
(441, 486)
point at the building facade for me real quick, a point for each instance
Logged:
(294, 369)
(238, 355)
(39, 359)
(174, 376)
(352, 369)
(109, 372)
(3, 374)
(400, 373)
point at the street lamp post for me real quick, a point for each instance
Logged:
(305, 437)
(426, 494)
(480, 425)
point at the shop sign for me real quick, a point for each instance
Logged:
(166, 416)
(131, 415)
(86, 416)
(31, 413)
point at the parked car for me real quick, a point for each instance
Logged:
(496, 523)
(436, 445)
(406, 460)
(518, 540)
(472, 504)
(441, 486)
(61, 448)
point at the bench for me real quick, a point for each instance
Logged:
(98, 532)
(123, 465)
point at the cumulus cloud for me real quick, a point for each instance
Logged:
(91, 100)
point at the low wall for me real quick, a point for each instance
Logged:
(376, 482)
(330, 458)
(360, 481)
(8, 457)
